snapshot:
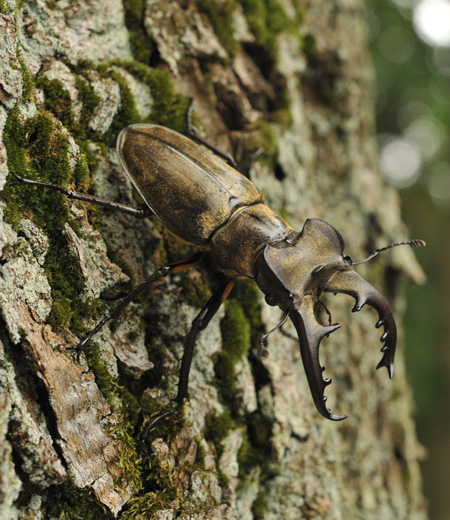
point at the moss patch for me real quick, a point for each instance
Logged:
(267, 19)
(259, 506)
(38, 149)
(220, 15)
(169, 107)
(57, 101)
(28, 80)
(66, 502)
(134, 20)
(236, 336)
(240, 328)
(217, 428)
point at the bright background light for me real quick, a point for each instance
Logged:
(400, 161)
(432, 22)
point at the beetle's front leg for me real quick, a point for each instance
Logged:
(74, 195)
(199, 324)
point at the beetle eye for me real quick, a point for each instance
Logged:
(271, 299)
(348, 259)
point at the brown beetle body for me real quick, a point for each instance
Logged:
(199, 197)
(206, 202)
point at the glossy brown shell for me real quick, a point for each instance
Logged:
(191, 191)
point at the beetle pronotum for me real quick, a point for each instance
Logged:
(205, 201)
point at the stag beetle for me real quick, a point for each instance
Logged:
(204, 200)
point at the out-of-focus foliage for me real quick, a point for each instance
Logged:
(410, 42)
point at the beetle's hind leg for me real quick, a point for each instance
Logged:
(176, 267)
(74, 195)
(199, 324)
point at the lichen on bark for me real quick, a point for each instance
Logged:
(293, 77)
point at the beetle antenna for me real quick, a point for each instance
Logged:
(412, 243)
(263, 352)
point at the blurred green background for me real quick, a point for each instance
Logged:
(410, 43)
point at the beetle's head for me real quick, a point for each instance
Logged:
(299, 266)
(293, 273)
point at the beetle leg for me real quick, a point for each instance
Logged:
(246, 169)
(193, 132)
(74, 195)
(176, 267)
(325, 308)
(199, 324)
(263, 352)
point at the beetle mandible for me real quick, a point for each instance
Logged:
(204, 200)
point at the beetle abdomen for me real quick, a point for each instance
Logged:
(191, 191)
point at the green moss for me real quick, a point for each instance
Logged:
(147, 505)
(267, 18)
(259, 506)
(169, 107)
(220, 15)
(127, 113)
(81, 173)
(89, 98)
(195, 292)
(162, 490)
(236, 334)
(57, 100)
(28, 80)
(102, 377)
(37, 149)
(129, 456)
(235, 330)
(248, 458)
(127, 408)
(175, 248)
(200, 458)
(68, 503)
(248, 295)
(217, 428)
(269, 142)
(141, 45)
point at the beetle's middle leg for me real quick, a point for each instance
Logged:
(176, 267)
(193, 132)
(74, 195)
(199, 324)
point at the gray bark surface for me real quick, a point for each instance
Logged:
(258, 449)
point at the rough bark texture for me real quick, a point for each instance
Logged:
(293, 77)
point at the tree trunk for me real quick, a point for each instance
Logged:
(293, 77)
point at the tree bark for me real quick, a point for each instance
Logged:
(291, 76)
